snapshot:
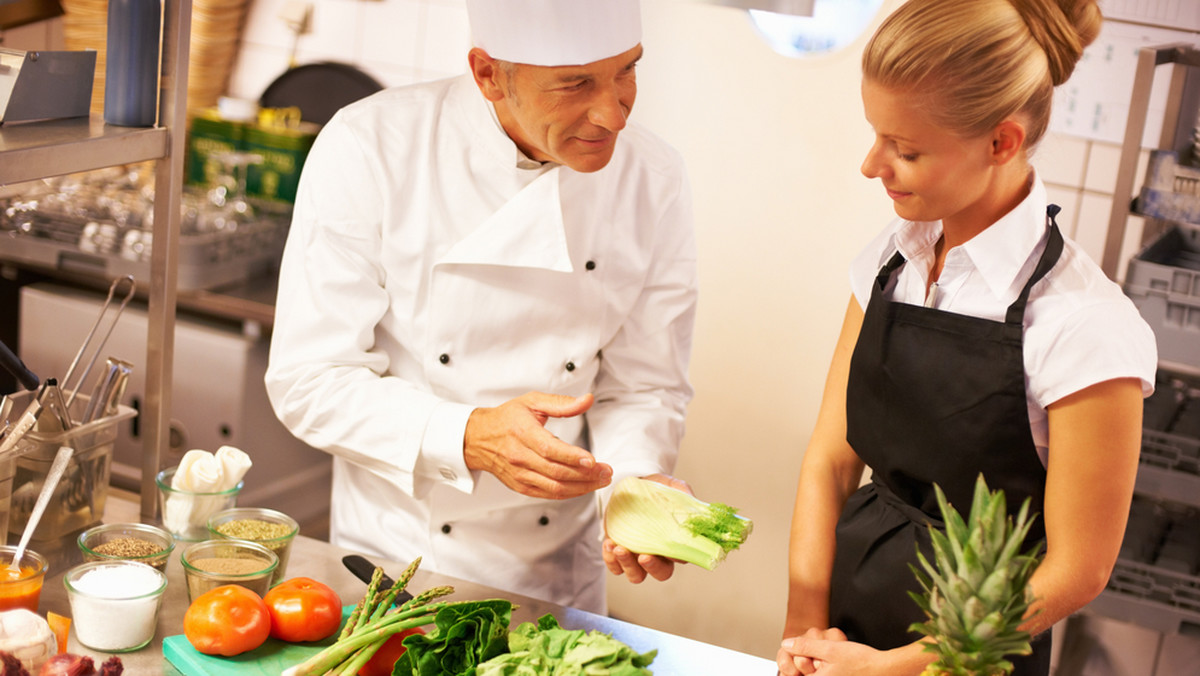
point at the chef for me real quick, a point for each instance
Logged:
(486, 306)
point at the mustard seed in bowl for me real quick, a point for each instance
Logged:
(128, 548)
(127, 542)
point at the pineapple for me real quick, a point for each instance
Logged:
(978, 593)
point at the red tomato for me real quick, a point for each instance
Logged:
(228, 620)
(384, 659)
(303, 609)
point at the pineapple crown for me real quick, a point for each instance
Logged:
(977, 594)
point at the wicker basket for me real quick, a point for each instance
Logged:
(215, 36)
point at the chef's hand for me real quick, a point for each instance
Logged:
(511, 442)
(636, 567)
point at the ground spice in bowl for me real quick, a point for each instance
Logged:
(268, 527)
(228, 566)
(213, 563)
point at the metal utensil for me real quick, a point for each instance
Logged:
(364, 569)
(53, 403)
(56, 471)
(88, 339)
(23, 424)
(108, 390)
(6, 405)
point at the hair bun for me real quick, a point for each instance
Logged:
(1063, 28)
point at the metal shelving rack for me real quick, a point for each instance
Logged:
(1184, 94)
(54, 148)
(1156, 598)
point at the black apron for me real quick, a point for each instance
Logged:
(933, 396)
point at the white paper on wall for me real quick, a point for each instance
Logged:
(1094, 103)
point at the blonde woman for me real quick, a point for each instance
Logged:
(978, 339)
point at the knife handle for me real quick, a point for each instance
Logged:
(13, 364)
(364, 569)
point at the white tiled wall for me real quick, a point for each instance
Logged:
(1080, 176)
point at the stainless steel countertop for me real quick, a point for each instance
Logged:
(323, 561)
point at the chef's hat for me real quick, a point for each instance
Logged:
(555, 32)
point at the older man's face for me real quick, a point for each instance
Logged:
(569, 114)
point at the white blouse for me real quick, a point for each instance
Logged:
(1080, 327)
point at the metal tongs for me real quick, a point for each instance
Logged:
(87, 340)
(108, 391)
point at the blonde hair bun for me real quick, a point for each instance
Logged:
(1063, 28)
(975, 63)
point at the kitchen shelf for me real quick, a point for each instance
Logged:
(33, 151)
(250, 302)
(1152, 598)
(1184, 93)
(1149, 587)
(53, 148)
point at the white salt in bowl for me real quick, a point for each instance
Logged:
(114, 604)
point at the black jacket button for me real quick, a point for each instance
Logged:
(590, 265)
(446, 528)
(444, 358)
(570, 366)
(545, 520)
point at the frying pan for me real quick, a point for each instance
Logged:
(318, 89)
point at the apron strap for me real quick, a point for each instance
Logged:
(885, 273)
(1054, 247)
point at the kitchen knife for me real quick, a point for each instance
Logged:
(13, 364)
(364, 569)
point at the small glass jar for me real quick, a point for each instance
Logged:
(267, 527)
(23, 590)
(114, 604)
(185, 513)
(127, 542)
(212, 563)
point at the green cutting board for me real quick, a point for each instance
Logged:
(270, 658)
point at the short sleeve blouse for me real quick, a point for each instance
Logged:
(1080, 327)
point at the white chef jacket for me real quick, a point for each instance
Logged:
(1080, 327)
(428, 272)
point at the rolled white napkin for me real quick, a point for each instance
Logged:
(202, 472)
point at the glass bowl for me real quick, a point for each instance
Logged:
(267, 527)
(212, 563)
(127, 542)
(24, 590)
(185, 513)
(114, 604)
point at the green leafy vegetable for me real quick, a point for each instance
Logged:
(545, 649)
(376, 618)
(650, 518)
(465, 634)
